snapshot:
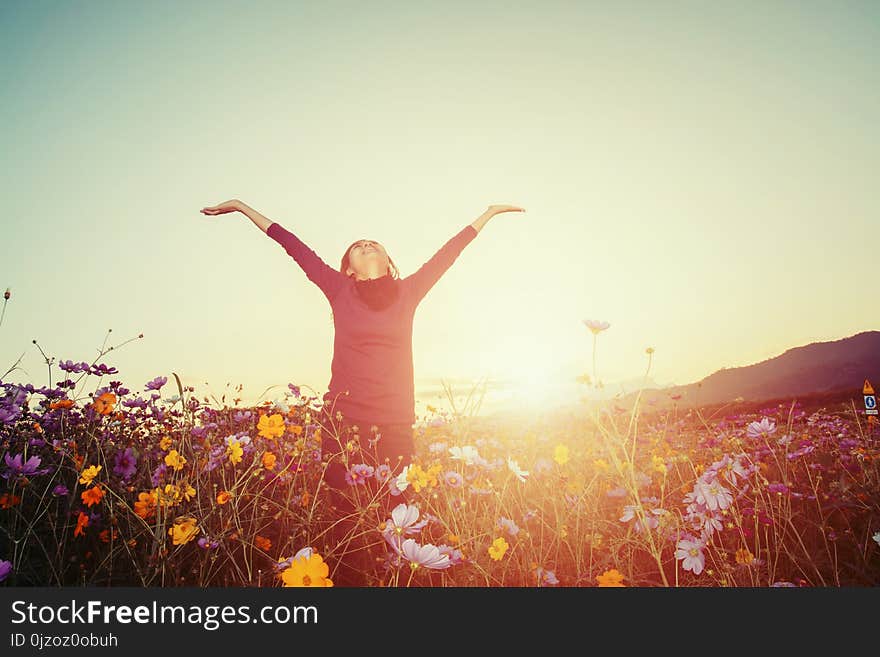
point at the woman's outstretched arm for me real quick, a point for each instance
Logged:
(421, 281)
(319, 272)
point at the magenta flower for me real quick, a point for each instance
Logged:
(5, 569)
(427, 556)
(358, 474)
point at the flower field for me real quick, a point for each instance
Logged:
(146, 488)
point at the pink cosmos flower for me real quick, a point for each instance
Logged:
(765, 427)
(690, 550)
(427, 556)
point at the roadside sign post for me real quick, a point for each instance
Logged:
(870, 403)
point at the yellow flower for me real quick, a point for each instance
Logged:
(188, 491)
(89, 473)
(234, 451)
(269, 461)
(658, 464)
(223, 496)
(560, 454)
(271, 426)
(601, 464)
(183, 531)
(498, 548)
(307, 572)
(175, 460)
(611, 578)
(744, 556)
(165, 443)
(417, 477)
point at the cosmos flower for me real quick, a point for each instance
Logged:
(16, 468)
(498, 548)
(453, 479)
(307, 571)
(508, 525)
(271, 426)
(358, 474)
(610, 579)
(515, 469)
(690, 551)
(766, 427)
(427, 556)
(126, 463)
(468, 454)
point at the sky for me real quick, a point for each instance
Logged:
(695, 174)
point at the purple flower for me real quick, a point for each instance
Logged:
(426, 555)
(207, 543)
(454, 554)
(690, 550)
(508, 525)
(546, 577)
(5, 569)
(156, 383)
(60, 490)
(358, 474)
(126, 463)
(453, 479)
(383, 473)
(29, 468)
(777, 488)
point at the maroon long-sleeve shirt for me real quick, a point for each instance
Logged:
(372, 350)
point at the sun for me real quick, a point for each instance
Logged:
(533, 381)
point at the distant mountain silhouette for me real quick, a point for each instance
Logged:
(813, 369)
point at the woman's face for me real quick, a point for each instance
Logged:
(367, 258)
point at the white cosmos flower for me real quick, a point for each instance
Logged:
(424, 555)
(514, 468)
(468, 454)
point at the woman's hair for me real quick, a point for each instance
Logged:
(392, 268)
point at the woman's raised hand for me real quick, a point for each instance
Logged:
(498, 209)
(233, 205)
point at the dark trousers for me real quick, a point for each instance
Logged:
(354, 504)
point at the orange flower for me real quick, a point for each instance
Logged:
(223, 497)
(9, 500)
(744, 556)
(262, 542)
(269, 461)
(105, 535)
(611, 578)
(92, 495)
(296, 429)
(82, 522)
(105, 403)
(146, 504)
(271, 426)
(61, 403)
